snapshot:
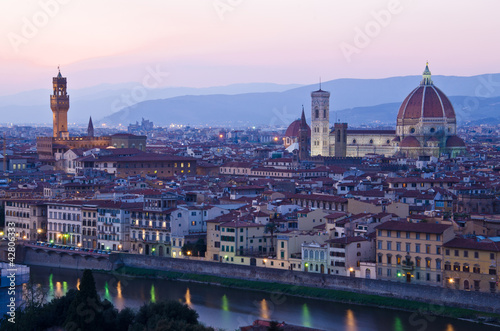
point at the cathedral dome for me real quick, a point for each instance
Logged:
(426, 101)
(410, 141)
(454, 141)
(293, 129)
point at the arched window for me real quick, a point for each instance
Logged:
(306, 254)
(316, 255)
(322, 255)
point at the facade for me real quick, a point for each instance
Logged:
(113, 227)
(89, 226)
(472, 265)
(150, 228)
(30, 218)
(411, 252)
(64, 223)
(426, 126)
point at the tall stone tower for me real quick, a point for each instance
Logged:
(59, 103)
(320, 123)
(304, 140)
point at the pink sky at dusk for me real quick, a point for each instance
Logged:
(219, 42)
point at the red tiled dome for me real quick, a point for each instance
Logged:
(293, 129)
(454, 141)
(426, 101)
(410, 141)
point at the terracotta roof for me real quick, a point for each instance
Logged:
(426, 101)
(410, 141)
(470, 243)
(454, 141)
(293, 129)
(413, 227)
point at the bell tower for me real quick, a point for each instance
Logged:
(320, 123)
(59, 103)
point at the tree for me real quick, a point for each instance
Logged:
(85, 312)
(271, 228)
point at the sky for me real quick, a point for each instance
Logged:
(201, 43)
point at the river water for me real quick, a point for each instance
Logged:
(228, 308)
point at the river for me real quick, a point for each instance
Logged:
(228, 308)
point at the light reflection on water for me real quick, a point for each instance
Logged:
(230, 308)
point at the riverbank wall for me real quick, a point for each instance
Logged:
(432, 295)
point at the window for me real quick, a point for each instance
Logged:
(493, 271)
(476, 270)
(447, 252)
(408, 246)
(492, 256)
(447, 266)
(456, 267)
(380, 233)
(427, 237)
(380, 244)
(466, 268)
(476, 255)
(428, 263)
(417, 248)
(380, 259)
(438, 237)
(427, 249)
(438, 264)
(389, 245)
(388, 272)
(438, 250)
(388, 233)
(398, 247)
(417, 236)
(466, 253)
(389, 259)
(398, 234)
(407, 235)
(456, 252)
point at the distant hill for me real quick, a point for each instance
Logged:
(103, 100)
(357, 101)
(352, 100)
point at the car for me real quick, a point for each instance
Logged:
(71, 248)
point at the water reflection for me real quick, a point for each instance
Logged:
(58, 292)
(78, 284)
(51, 284)
(65, 287)
(187, 297)
(450, 327)
(398, 326)
(306, 316)
(225, 303)
(107, 296)
(153, 294)
(264, 310)
(229, 309)
(350, 321)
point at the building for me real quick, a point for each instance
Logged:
(471, 264)
(426, 126)
(51, 149)
(29, 218)
(411, 252)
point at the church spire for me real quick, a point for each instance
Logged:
(426, 76)
(303, 118)
(90, 129)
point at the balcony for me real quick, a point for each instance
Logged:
(407, 265)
